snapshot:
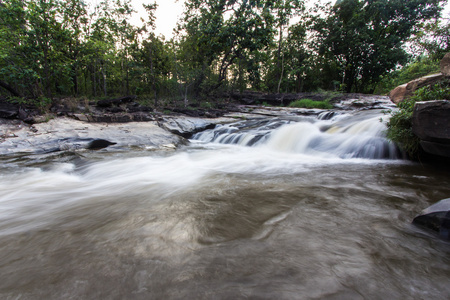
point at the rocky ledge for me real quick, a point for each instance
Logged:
(121, 123)
(431, 123)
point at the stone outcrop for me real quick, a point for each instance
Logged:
(184, 127)
(445, 65)
(431, 123)
(66, 134)
(406, 90)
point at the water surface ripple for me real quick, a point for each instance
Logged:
(219, 222)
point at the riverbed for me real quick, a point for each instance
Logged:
(269, 209)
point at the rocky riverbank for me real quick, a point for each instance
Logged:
(127, 124)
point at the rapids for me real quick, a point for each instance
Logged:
(273, 208)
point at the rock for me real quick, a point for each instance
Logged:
(431, 123)
(72, 144)
(184, 127)
(398, 94)
(81, 117)
(114, 118)
(99, 144)
(8, 110)
(69, 134)
(445, 65)
(404, 91)
(116, 102)
(437, 149)
(436, 218)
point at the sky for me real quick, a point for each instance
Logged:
(169, 12)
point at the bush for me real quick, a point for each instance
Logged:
(400, 124)
(421, 66)
(308, 103)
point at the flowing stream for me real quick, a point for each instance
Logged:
(273, 208)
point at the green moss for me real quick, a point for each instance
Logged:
(308, 103)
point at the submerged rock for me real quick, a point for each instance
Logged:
(436, 218)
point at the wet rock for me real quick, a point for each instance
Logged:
(438, 149)
(63, 133)
(406, 90)
(73, 144)
(99, 144)
(445, 65)
(436, 218)
(362, 102)
(431, 124)
(184, 127)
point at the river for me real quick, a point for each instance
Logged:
(305, 208)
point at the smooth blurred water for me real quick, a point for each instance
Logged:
(278, 220)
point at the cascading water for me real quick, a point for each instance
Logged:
(343, 136)
(294, 208)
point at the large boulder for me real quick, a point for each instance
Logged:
(431, 123)
(406, 90)
(436, 218)
(445, 65)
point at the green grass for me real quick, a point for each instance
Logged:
(308, 103)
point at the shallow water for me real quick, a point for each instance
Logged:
(215, 221)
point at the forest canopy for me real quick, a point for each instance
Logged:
(57, 48)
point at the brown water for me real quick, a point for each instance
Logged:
(218, 222)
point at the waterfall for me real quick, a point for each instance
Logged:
(358, 135)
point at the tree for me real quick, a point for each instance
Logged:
(285, 11)
(220, 34)
(434, 38)
(12, 33)
(365, 38)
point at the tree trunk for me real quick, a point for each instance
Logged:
(9, 89)
(104, 78)
(94, 80)
(75, 80)
(280, 41)
(153, 76)
(299, 88)
(281, 75)
(185, 96)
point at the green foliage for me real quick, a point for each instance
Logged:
(420, 67)
(400, 124)
(308, 103)
(438, 91)
(60, 48)
(400, 128)
(433, 38)
(364, 39)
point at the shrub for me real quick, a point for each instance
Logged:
(308, 103)
(400, 124)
